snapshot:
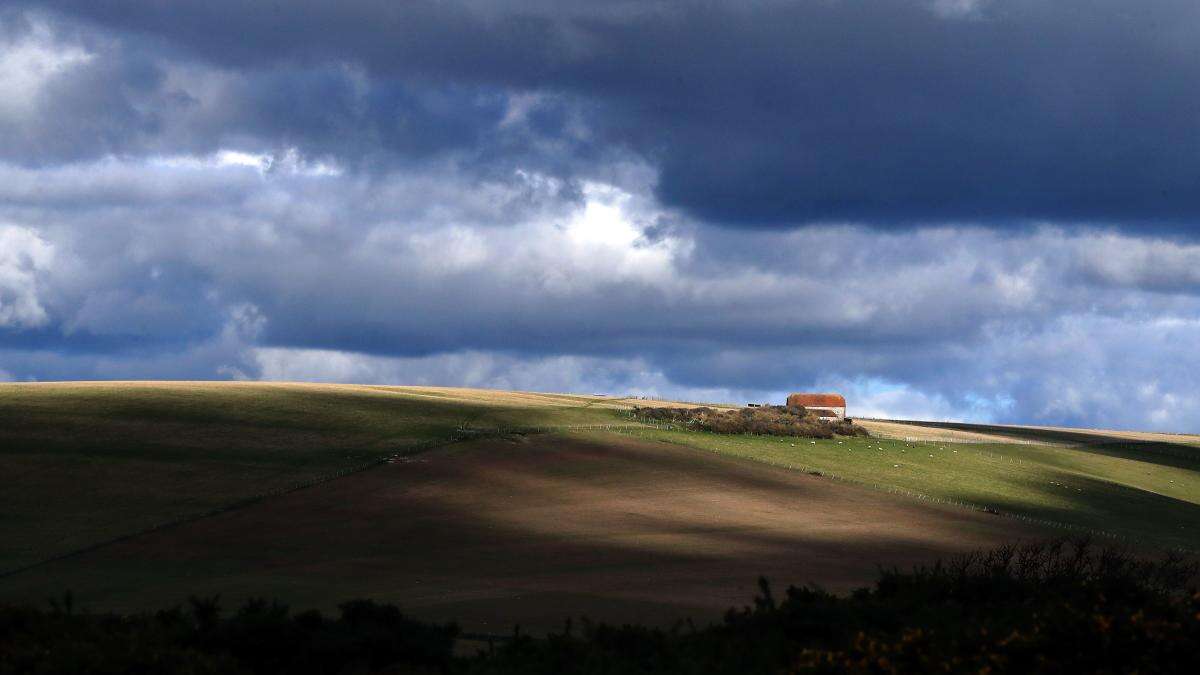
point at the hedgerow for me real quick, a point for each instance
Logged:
(765, 420)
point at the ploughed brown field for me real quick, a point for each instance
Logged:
(530, 530)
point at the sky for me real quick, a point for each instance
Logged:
(944, 209)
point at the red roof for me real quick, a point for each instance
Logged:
(816, 400)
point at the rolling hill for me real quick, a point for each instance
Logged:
(496, 508)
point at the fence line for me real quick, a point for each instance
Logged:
(246, 501)
(975, 441)
(550, 428)
(460, 434)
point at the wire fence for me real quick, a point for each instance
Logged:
(246, 501)
(460, 434)
(551, 428)
(975, 441)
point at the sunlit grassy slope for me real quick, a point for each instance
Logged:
(83, 463)
(1147, 492)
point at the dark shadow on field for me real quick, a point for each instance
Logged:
(87, 463)
(532, 531)
(1181, 455)
(1080, 436)
(1163, 454)
(228, 423)
(1140, 516)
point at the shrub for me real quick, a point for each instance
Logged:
(766, 420)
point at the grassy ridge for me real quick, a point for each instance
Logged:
(88, 462)
(1144, 495)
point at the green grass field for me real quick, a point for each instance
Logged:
(83, 463)
(1134, 490)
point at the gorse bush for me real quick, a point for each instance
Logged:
(1055, 607)
(767, 420)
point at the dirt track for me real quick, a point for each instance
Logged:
(529, 532)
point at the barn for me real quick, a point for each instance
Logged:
(824, 405)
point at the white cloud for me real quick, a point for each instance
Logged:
(289, 162)
(958, 9)
(529, 281)
(24, 257)
(562, 251)
(27, 63)
(881, 399)
(1130, 261)
(449, 250)
(560, 374)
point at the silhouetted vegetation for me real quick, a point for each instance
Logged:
(262, 637)
(766, 420)
(1038, 608)
(1053, 607)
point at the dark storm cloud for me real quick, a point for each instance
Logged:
(124, 104)
(613, 197)
(765, 113)
(82, 93)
